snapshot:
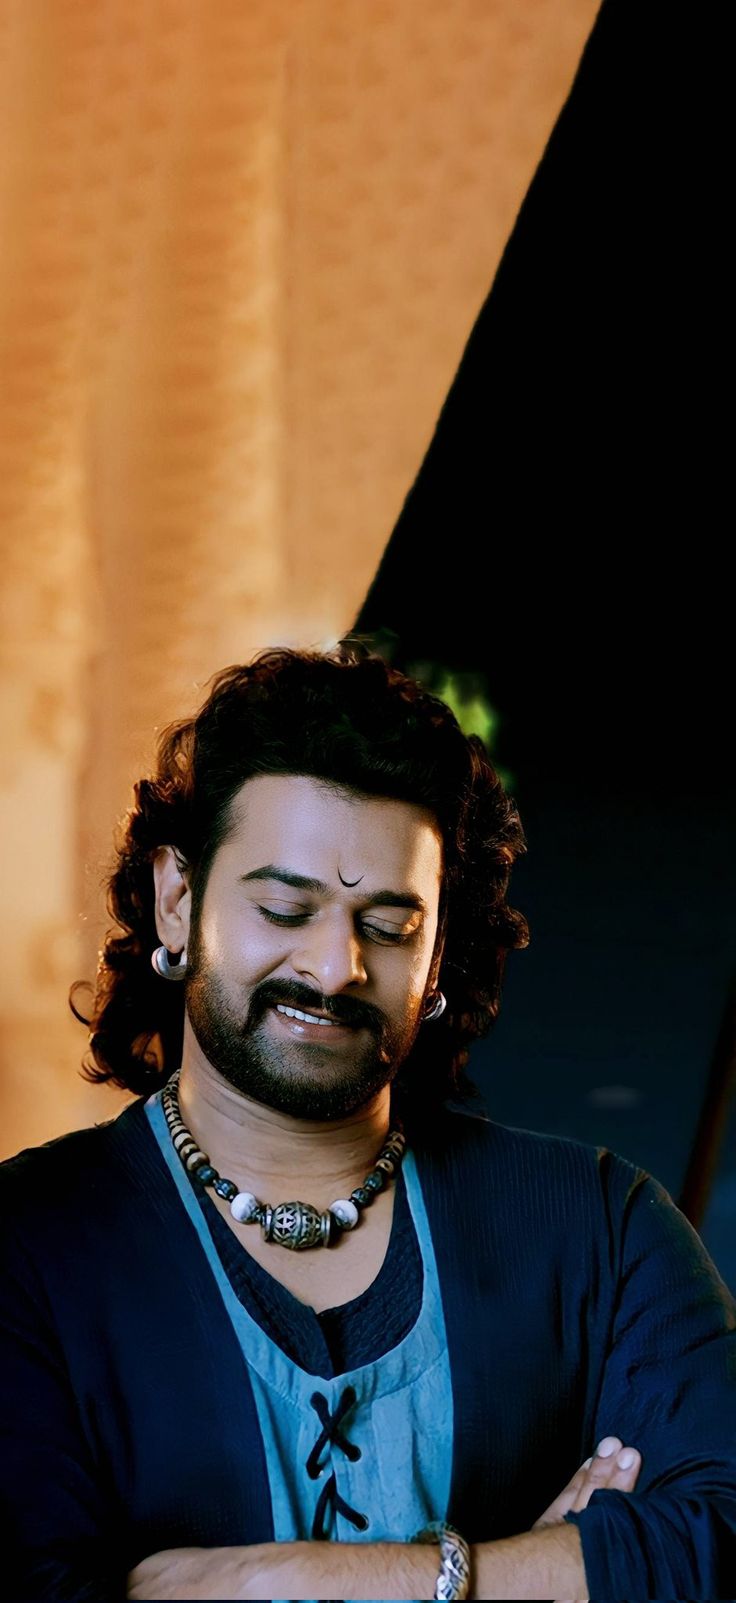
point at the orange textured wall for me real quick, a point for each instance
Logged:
(242, 248)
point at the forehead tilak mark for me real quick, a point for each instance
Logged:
(349, 883)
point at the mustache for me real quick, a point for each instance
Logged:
(290, 993)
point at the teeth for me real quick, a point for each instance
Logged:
(306, 1018)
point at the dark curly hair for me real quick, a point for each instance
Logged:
(347, 717)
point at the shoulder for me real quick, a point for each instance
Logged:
(74, 1172)
(553, 1187)
(562, 1189)
(539, 1163)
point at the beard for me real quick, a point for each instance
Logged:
(299, 1078)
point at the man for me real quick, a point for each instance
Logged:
(301, 1303)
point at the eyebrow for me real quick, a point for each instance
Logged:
(303, 882)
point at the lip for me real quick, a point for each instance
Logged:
(324, 1034)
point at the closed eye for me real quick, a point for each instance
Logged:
(283, 918)
(382, 933)
(394, 937)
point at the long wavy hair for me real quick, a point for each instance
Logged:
(343, 716)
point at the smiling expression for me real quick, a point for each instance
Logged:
(313, 950)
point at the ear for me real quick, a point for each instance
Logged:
(434, 972)
(439, 945)
(173, 899)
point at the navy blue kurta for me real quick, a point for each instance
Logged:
(577, 1303)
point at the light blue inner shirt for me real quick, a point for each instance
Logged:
(401, 1420)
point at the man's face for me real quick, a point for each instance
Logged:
(325, 903)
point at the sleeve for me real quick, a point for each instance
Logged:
(57, 1533)
(668, 1389)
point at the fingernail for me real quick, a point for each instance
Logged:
(606, 1447)
(626, 1458)
(587, 1463)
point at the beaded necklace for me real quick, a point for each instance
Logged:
(296, 1225)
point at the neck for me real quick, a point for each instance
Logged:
(270, 1153)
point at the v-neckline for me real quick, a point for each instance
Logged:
(419, 1347)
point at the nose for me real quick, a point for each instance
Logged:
(330, 953)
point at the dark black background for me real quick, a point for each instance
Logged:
(567, 547)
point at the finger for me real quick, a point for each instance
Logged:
(624, 1470)
(599, 1471)
(565, 1500)
(603, 1458)
(614, 1468)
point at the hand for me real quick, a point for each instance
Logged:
(601, 1471)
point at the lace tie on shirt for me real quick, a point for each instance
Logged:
(329, 1497)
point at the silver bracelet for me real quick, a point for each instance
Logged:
(453, 1581)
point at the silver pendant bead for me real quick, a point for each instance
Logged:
(296, 1225)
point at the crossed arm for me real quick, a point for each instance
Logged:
(667, 1380)
(544, 1562)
